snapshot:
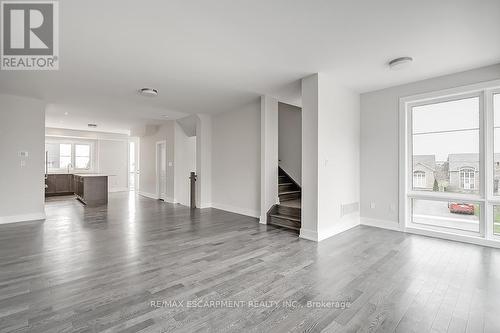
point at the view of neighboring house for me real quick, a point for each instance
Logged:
(463, 172)
(460, 173)
(424, 169)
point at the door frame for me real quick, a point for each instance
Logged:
(158, 169)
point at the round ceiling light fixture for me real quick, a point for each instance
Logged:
(400, 63)
(149, 92)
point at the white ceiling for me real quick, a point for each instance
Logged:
(212, 56)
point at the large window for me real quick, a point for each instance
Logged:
(452, 162)
(63, 156)
(445, 140)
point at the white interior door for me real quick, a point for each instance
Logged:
(133, 168)
(161, 170)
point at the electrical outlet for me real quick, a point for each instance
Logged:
(392, 207)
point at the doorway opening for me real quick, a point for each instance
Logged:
(161, 170)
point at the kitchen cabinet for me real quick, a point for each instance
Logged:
(91, 189)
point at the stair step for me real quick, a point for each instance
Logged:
(287, 210)
(289, 192)
(283, 184)
(284, 222)
(286, 217)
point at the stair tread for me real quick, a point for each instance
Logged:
(285, 184)
(289, 192)
(286, 217)
(285, 226)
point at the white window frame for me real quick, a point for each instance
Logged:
(485, 198)
(74, 142)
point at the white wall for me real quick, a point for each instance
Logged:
(113, 160)
(236, 160)
(338, 155)
(309, 200)
(147, 160)
(204, 161)
(22, 124)
(380, 138)
(330, 170)
(185, 162)
(268, 155)
(110, 153)
(290, 140)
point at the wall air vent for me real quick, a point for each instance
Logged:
(351, 208)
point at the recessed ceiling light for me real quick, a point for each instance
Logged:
(66, 113)
(164, 116)
(92, 125)
(400, 63)
(150, 92)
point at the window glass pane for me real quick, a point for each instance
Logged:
(65, 149)
(64, 161)
(82, 150)
(82, 162)
(496, 143)
(82, 156)
(446, 214)
(53, 155)
(496, 220)
(445, 143)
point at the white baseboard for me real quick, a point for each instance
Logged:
(206, 205)
(308, 234)
(337, 228)
(149, 195)
(118, 189)
(391, 225)
(22, 218)
(237, 210)
(169, 200)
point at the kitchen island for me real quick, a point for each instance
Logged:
(91, 188)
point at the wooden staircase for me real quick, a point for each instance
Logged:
(286, 214)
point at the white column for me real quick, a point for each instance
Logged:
(330, 158)
(204, 161)
(309, 200)
(269, 155)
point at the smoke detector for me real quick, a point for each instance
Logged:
(400, 63)
(149, 92)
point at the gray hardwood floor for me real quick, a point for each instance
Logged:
(134, 266)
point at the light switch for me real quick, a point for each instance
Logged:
(170, 164)
(23, 154)
(23, 163)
